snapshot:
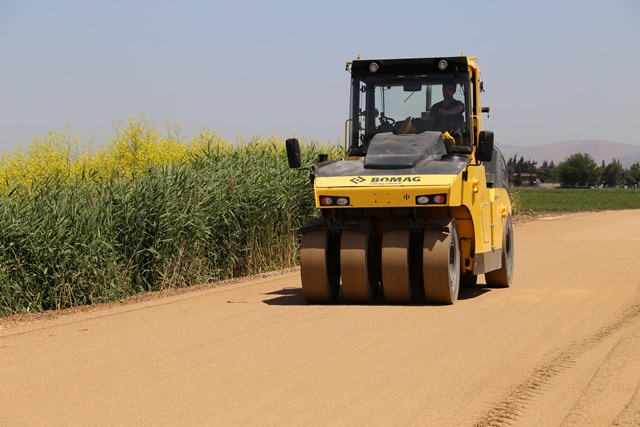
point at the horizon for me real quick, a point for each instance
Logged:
(601, 151)
(568, 141)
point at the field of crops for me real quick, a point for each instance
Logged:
(571, 200)
(147, 212)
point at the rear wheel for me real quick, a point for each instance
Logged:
(441, 264)
(320, 266)
(502, 277)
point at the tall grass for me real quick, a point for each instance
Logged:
(218, 211)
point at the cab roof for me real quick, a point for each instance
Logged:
(409, 66)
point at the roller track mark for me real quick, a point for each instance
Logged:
(512, 407)
(630, 415)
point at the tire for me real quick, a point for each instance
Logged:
(503, 277)
(320, 267)
(441, 264)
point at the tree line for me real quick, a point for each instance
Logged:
(577, 170)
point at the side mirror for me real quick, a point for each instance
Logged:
(293, 153)
(485, 146)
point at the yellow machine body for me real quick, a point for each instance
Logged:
(480, 211)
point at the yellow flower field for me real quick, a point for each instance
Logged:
(62, 158)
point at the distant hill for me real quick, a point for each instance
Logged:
(559, 151)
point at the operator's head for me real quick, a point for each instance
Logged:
(448, 89)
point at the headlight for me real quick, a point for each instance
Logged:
(326, 200)
(334, 201)
(436, 199)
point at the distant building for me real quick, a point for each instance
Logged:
(525, 178)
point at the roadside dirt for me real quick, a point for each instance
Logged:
(559, 348)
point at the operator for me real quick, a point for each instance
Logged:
(448, 113)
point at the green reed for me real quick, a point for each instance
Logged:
(226, 213)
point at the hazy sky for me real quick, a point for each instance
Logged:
(553, 70)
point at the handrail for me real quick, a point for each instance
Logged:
(346, 132)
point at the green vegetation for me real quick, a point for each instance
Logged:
(225, 212)
(571, 200)
(579, 170)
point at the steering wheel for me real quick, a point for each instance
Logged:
(386, 120)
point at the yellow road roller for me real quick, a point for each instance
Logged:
(419, 205)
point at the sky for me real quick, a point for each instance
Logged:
(552, 70)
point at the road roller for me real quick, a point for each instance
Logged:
(419, 204)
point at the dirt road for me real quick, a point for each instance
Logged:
(561, 347)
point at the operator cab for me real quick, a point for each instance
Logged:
(411, 96)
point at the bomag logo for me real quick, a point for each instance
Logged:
(385, 180)
(394, 179)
